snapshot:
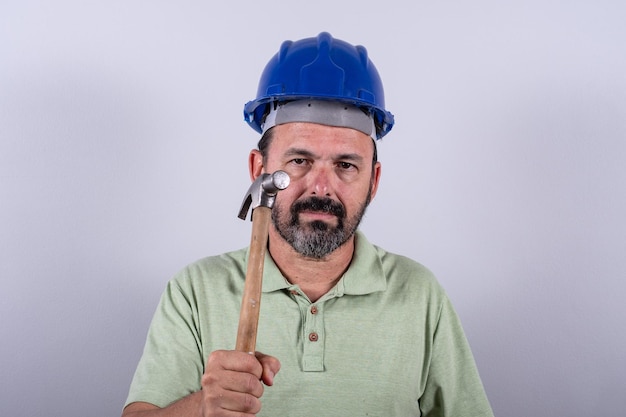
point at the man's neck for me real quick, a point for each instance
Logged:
(315, 277)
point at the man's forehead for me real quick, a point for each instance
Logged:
(317, 134)
(316, 140)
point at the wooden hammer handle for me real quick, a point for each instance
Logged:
(251, 302)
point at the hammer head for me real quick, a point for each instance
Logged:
(263, 191)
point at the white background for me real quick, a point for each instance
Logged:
(123, 158)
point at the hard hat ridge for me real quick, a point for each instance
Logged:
(321, 68)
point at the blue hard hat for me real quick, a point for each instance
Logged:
(322, 68)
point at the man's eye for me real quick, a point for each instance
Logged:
(298, 161)
(345, 165)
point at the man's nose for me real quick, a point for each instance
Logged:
(321, 182)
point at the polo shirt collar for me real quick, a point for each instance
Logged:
(365, 274)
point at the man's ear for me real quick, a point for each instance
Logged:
(255, 164)
(376, 178)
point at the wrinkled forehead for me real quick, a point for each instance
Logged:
(329, 113)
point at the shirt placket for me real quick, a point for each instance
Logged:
(312, 332)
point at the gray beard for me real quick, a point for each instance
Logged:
(317, 239)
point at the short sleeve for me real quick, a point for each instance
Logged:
(172, 364)
(453, 387)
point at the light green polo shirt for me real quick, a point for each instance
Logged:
(385, 341)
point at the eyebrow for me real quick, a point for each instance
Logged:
(299, 152)
(291, 152)
(350, 157)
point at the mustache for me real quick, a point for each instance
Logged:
(323, 205)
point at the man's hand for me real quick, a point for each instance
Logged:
(233, 381)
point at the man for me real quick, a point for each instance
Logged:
(351, 329)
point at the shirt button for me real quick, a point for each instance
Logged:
(313, 310)
(313, 337)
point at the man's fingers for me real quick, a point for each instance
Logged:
(234, 381)
(270, 366)
(234, 361)
(242, 382)
(233, 401)
(234, 371)
(231, 381)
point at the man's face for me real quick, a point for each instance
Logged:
(332, 182)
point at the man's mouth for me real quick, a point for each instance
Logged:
(316, 215)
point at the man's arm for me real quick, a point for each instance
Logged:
(190, 406)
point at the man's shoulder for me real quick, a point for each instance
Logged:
(399, 269)
(406, 268)
(227, 264)
(405, 263)
(406, 272)
(389, 259)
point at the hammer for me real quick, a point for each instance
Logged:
(260, 198)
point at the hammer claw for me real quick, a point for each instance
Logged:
(263, 191)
